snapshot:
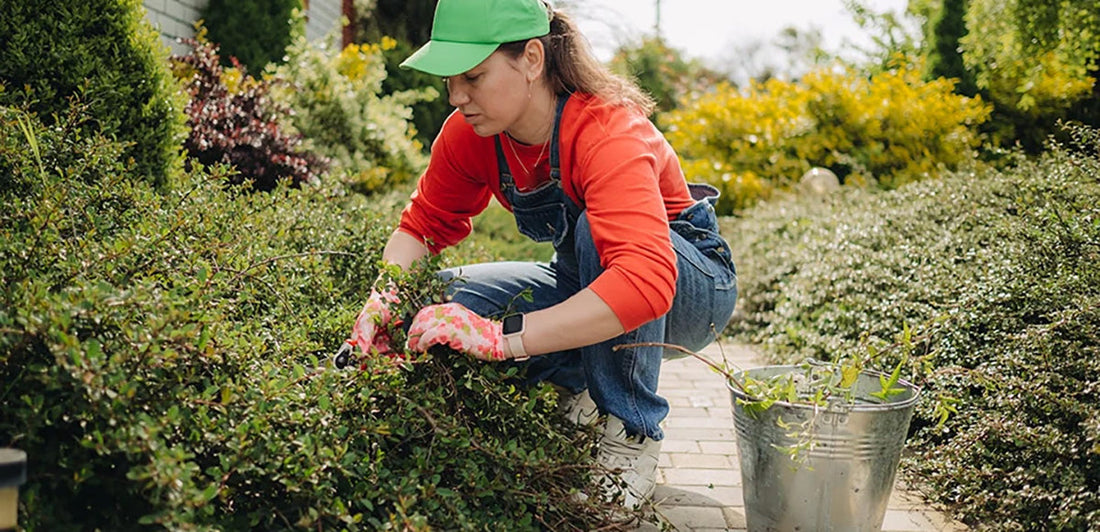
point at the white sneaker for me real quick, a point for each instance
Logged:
(631, 462)
(578, 407)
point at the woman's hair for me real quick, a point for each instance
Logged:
(570, 66)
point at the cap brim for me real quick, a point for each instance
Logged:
(443, 58)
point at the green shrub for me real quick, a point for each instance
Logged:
(409, 23)
(103, 52)
(234, 121)
(999, 276)
(889, 129)
(1036, 60)
(162, 362)
(255, 32)
(339, 106)
(662, 72)
(947, 26)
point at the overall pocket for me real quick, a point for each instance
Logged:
(698, 225)
(543, 223)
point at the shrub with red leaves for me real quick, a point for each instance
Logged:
(240, 127)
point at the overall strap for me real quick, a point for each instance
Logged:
(555, 158)
(555, 155)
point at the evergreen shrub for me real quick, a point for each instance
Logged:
(235, 121)
(886, 130)
(255, 32)
(339, 105)
(998, 277)
(106, 54)
(662, 72)
(163, 363)
(409, 24)
(1038, 61)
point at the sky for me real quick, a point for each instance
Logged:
(711, 30)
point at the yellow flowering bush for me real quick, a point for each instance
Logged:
(886, 130)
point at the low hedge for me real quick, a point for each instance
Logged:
(163, 363)
(998, 275)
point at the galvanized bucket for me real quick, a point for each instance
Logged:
(845, 481)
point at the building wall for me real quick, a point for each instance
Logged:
(324, 18)
(175, 19)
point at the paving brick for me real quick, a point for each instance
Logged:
(700, 460)
(706, 434)
(674, 382)
(903, 500)
(704, 422)
(702, 477)
(731, 496)
(906, 521)
(694, 517)
(942, 522)
(665, 496)
(681, 412)
(670, 445)
(719, 447)
(664, 461)
(724, 496)
(735, 517)
(678, 392)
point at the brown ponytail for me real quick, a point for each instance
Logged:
(571, 66)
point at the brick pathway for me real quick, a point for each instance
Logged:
(699, 480)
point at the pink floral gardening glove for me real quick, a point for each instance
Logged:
(370, 327)
(456, 326)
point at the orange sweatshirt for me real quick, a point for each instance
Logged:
(615, 165)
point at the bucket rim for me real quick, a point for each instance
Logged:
(855, 407)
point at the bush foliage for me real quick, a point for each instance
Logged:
(235, 121)
(162, 360)
(255, 32)
(1036, 60)
(999, 277)
(409, 24)
(339, 105)
(889, 129)
(662, 72)
(105, 53)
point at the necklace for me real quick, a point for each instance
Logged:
(538, 159)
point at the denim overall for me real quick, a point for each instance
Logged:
(622, 383)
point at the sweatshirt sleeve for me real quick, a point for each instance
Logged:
(619, 166)
(449, 193)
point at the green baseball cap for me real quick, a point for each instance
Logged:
(465, 32)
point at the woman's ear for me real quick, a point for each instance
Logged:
(535, 56)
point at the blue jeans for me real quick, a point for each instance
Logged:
(622, 383)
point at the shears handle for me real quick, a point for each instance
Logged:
(342, 358)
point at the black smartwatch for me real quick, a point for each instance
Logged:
(512, 329)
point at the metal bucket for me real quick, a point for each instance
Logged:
(845, 481)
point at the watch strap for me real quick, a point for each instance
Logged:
(515, 346)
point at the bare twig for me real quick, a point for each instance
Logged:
(723, 371)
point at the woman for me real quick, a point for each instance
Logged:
(567, 147)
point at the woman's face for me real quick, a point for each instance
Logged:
(493, 95)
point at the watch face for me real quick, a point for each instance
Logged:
(512, 324)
